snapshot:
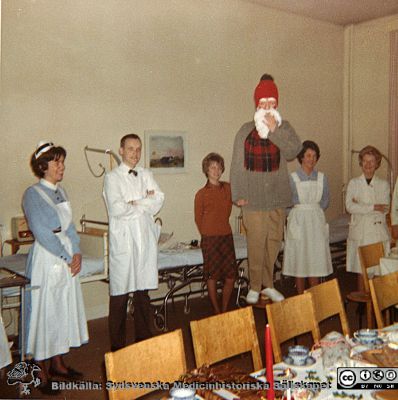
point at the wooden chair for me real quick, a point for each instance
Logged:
(290, 318)
(226, 335)
(328, 302)
(384, 293)
(369, 256)
(161, 358)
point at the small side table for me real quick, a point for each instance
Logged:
(16, 244)
(8, 279)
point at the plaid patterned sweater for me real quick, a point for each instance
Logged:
(264, 190)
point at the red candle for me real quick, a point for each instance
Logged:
(269, 362)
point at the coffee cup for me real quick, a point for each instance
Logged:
(183, 393)
(299, 354)
(393, 337)
(366, 336)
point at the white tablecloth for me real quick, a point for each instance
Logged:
(387, 266)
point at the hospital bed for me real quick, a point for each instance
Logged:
(181, 267)
(94, 247)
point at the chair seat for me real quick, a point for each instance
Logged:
(359, 297)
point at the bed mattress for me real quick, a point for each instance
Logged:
(90, 266)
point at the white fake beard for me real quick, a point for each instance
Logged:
(260, 122)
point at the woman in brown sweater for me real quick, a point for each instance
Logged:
(213, 205)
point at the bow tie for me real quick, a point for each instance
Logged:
(131, 171)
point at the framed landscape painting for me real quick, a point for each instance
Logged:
(166, 151)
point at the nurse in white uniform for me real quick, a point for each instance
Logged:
(307, 252)
(368, 201)
(5, 354)
(132, 198)
(56, 318)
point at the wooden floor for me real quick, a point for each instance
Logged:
(90, 358)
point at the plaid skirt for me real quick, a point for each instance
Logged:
(219, 261)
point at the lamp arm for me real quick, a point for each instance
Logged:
(102, 151)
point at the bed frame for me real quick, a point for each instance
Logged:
(94, 247)
(94, 244)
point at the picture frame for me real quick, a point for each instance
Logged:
(166, 151)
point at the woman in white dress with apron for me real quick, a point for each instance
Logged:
(5, 353)
(56, 318)
(368, 202)
(307, 252)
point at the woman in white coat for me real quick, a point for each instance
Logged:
(56, 318)
(307, 252)
(367, 200)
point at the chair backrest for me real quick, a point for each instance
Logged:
(290, 318)
(161, 358)
(384, 292)
(225, 335)
(369, 256)
(328, 302)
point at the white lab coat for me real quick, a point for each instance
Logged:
(367, 226)
(133, 234)
(394, 205)
(307, 251)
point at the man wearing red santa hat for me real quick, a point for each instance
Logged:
(260, 185)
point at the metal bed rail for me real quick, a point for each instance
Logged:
(182, 277)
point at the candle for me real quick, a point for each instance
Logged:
(289, 394)
(269, 364)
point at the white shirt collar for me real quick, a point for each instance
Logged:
(125, 168)
(365, 179)
(48, 184)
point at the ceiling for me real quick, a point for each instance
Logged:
(338, 12)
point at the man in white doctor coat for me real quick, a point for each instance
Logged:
(132, 198)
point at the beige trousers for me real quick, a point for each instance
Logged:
(264, 231)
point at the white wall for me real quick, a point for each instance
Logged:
(87, 72)
(367, 69)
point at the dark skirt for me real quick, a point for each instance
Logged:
(219, 261)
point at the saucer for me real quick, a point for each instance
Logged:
(305, 393)
(279, 374)
(289, 361)
(390, 328)
(377, 342)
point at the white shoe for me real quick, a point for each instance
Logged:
(252, 297)
(273, 294)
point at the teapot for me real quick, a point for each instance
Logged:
(335, 352)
